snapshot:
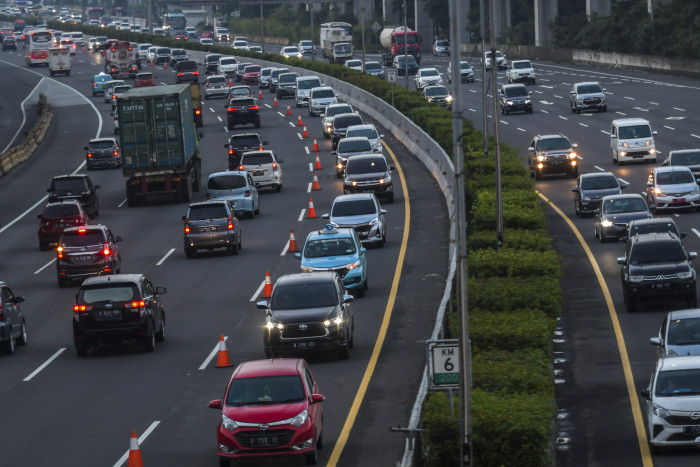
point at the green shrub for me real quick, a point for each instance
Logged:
(510, 330)
(442, 431)
(519, 371)
(508, 262)
(516, 293)
(534, 240)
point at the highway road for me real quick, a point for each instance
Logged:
(82, 410)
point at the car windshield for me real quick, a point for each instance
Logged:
(226, 182)
(635, 131)
(659, 252)
(324, 93)
(308, 83)
(353, 63)
(242, 91)
(101, 145)
(366, 166)
(163, 51)
(216, 79)
(401, 39)
(298, 296)
(403, 60)
(265, 390)
(686, 158)
(305, 43)
(228, 61)
(244, 141)
(599, 183)
(343, 48)
(324, 247)
(353, 146)
(212, 58)
(369, 133)
(179, 52)
(678, 383)
(333, 111)
(520, 65)
(373, 66)
(518, 91)
(589, 89)
(683, 332)
(443, 43)
(288, 78)
(252, 69)
(553, 143)
(436, 91)
(74, 185)
(207, 211)
(674, 178)
(85, 238)
(430, 72)
(108, 293)
(620, 205)
(357, 207)
(465, 66)
(257, 159)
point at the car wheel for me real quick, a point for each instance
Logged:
(577, 210)
(578, 111)
(9, 346)
(601, 237)
(223, 462)
(234, 249)
(160, 335)
(319, 441)
(257, 211)
(595, 232)
(22, 339)
(631, 305)
(612, 155)
(538, 175)
(150, 343)
(360, 291)
(81, 348)
(257, 124)
(190, 253)
(692, 300)
(43, 246)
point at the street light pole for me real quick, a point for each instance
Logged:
(362, 24)
(405, 42)
(496, 134)
(262, 33)
(313, 50)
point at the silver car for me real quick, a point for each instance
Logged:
(679, 334)
(237, 187)
(368, 131)
(264, 168)
(587, 96)
(216, 85)
(109, 86)
(209, 225)
(118, 91)
(304, 86)
(320, 98)
(362, 212)
(329, 115)
(673, 187)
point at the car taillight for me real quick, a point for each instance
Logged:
(106, 251)
(135, 304)
(187, 224)
(89, 154)
(197, 111)
(196, 73)
(240, 167)
(94, 84)
(230, 219)
(232, 109)
(82, 308)
(180, 74)
(116, 153)
(60, 251)
(260, 148)
(255, 107)
(230, 152)
(274, 165)
(247, 194)
(114, 96)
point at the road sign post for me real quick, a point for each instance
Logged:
(391, 78)
(445, 364)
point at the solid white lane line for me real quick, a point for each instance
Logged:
(695, 231)
(694, 136)
(45, 364)
(301, 216)
(141, 439)
(213, 352)
(45, 266)
(257, 292)
(9, 224)
(285, 249)
(162, 260)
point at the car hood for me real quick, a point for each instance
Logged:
(368, 176)
(678, 188)
(304, 315)
(599, 193)
(329, 261)
(264, 413)
(625, 217)
(680, 403)
(349, 221)
(682, 350)
(430, 79)
(326, 101)
(657, 269)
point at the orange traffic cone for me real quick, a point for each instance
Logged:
(267, 291)
(292, 242)
(289, 110)
(230, 83)
(299, 122)
(314, 185)
(312, 212)
(260, 96)
(315, 148)
(135, 459)
(151, 62)
(317, 164)
(222, 360)
(165, 66)
(274, 102)
(304, 134)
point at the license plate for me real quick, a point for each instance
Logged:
(557, 162)
(662, 285)
(264, 441)
(257, 172)
(109, 314)
(304, 345)
(678, 200)
(208, 229)
(82, 258)
(691, 429)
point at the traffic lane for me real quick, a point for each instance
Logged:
(15, 114)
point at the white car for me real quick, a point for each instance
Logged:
(329, 115)
(673, 402)
(368, 131)
(428, 77)
(501, 63)
(673, 187)
(520, 71)
(254, 48)
(191, 31)
(152, 53)
(227, 66)
(290, 51)
(240, 45)
(143, 51)
(354, 64)
(206, 41)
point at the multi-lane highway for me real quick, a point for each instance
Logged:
(80, 411)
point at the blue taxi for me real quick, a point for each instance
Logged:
(98, 83)
(339, 250)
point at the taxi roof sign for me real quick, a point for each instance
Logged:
(329, 229)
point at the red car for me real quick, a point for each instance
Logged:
(144, 79)
(56, 218)
(251, 73)
(271, 408)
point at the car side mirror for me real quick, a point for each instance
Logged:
(86, 148)
(621, 260)
(654, 132)
(383, 211)
(655, 341)
(644, 393)
(652, 208)
(363, 250)
(666, 162)
(316, 398)
(118, 239)
(19, 299)
(215, 404)
(97, 187)
(575, 189)
(297, 255)
(325, 216)
(334, 153)
(683, 234)
(347, 298)
(38, 216)
(261, 305)
(622, 187)
(692, 255)
(573, 93)
(612, 136)
(392, 168)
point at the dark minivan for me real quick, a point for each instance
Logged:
(186, 71)
(369, 173)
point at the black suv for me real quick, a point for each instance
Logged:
(102, 152)
(186, 71)
(308, 312)
(590, 189)
(211, 63)
(13, 329)
(514, 98)
(242, 110)
(113, 309)
(369, 173)
(654, 225)
(657, 266)
(549, 154)
(88, 250)
(287, 85)
(75, 187)
(341, 122)
(238, 144)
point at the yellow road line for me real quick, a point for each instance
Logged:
(619, 337)
(369, 371)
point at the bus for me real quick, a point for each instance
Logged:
(94, 12)
(174, 23)
(37, 46)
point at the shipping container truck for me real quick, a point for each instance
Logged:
(159, 144)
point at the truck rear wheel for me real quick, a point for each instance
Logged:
(131, 197)
(184, 190)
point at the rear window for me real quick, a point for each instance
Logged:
(108, 293)
(87, 238)
(74, 185)
(216, 79)
(242, 102)
(245, 141)
(256, 159)
(308, 83)
(121, 89)
(228, 182)
(187, 65)
(207, 211)
(101, 145)
(61, 210)
(366, 166)
(354, 146)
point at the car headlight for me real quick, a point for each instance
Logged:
(528, 101)
(636, 278)
(271, 324)
(695, 191)
(337, 321)
(300, 419)
(307, 269)
(647, 143)
(658, 192)
(625, 145)
(572, 155)
(448, 98)
(540, 157)
(374, 221)
(661, 412)
(354, 265)
(606, 223)
(228, 423)
(685, 275)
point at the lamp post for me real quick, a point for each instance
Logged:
(405, 42)
(262, 33)
(362, 25)
(313, 50)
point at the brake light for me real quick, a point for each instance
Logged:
(197, 111)
(240, 167)
(230, 221)
(116, 153)
(260, 148)
(82, 231)
(114, 96)
(60, 251)
(247, 194)
(135, 304)
(106, 251)
(94, 84)
(232, 109)
(89, 154)
(187, 224)
(274, 165)
(255, 107)
(180, 74)
(82, 308)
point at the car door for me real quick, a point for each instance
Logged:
(315, 410)
(253, 192)
(148, 292)
(9, 309)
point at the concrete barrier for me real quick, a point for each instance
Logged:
(25, 149)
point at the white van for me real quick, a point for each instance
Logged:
(632, 139)
(78, 38)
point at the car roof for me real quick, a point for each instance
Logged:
(353, 197)
(241, 173)
(630, 121)
(597, 174)
(684, 314)
(688, 362)
(102, 140)
(352, 139)
(656, 237)
(64, 201)
(585, 83)
(363, 126)
(671, 168)
(69, 177)
(625, 196)
(306, 278)
(653, 220)
(272, 367)
(86, 227)
(336, 232)
(94, 280)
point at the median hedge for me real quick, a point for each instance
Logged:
(514, 293)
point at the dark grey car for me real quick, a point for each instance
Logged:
(102, 152)
(590, 189)
(679, 334)
(88, 250)
(341, 123)
(210, 225)
(348, 147)
(362, 212)
(75, 187)
(13, 329)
